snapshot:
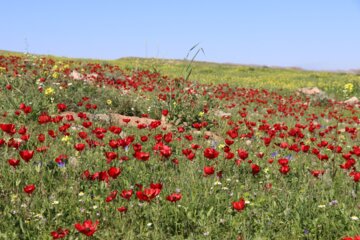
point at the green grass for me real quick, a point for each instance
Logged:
(297, 206)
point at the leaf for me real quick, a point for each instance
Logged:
(22, 226)
(209, 212)
(18, 181)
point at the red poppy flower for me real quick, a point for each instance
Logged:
(239, 205)
(154, 124)
(210, 153)
(41, 137)
(126, 194)
(44, 118)
(317, 173)
(114, 172)
(111, 196)
(79, 146)
(126, 120)
(141, 126)
(52, 133)
(348, 164)
(147, 194)
(143, 156)
(323, 157)
(143, 138)
(356, 176)
(165, 151)
(88, 227)
(181, 129)
(355, 150)
(198, 126)
(122, 209)
(283, 145)
(189, 137)
(283, 161)
(8, 128)
(69, 117)
(243, 154)
(87, 124)
(233, 133)
(103, 176)
(229, 155)
(229, 142)
(209, 170)
(137, 147)
(174, 197)
(60, 233)
(29, 188)
(156, 185)
(284, 169)
(255, 169)
(22, 130)
(158, 137)
(305, 148)
(165, 112)
(14, 162)
(110, 156)
(26, 155)
(61, 107)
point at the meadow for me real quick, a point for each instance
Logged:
(131, 149)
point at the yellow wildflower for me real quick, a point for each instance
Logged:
(221, 146)
(65, 139)
(349, 87)
(49, 91)
(14, 197)
(55, 75)
(201, 114)
(108, 102)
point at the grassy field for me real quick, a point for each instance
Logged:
(248, 76)
(126, 149)
(283, 79)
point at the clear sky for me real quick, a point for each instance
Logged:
(313, 34)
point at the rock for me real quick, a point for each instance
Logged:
(220, 113)
(352, 101)
(73, 161)
(101, 117)
(163, 119)
(91, 76)
(76, 75)
(315, 94)
(311, 91)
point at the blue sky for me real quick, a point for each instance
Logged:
(313, 34)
